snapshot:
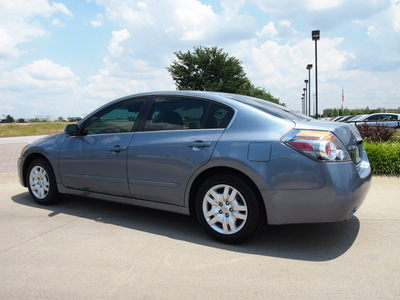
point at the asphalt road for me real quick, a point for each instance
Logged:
(91, 249)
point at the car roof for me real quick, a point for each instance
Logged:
(229, 99)
(393, 114)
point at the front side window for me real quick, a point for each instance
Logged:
(373, 118)
(120, 117)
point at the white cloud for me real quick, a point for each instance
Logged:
(41, 74)
(322, 5)
(396, 15)
(383, 30)
(269, 31)
(151, 31)
(104, 88)
(18, 23)
(37, 87)
(57, 22)
(115, 47)
(98, 22)
(185, 20)
(322, 14)
(57, 7)
(281, 68)
(232, 7)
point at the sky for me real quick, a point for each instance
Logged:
(66, 58)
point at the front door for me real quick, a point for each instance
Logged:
(95, 160)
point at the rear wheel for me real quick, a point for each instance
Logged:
(227, 208)
(41, 182)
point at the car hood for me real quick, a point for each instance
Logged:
(48, 138)
(48, 145)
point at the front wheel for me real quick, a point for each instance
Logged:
(41, 182)
(227, 208)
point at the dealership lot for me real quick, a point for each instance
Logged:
(85, 248)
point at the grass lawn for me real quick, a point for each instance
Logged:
(27, 129)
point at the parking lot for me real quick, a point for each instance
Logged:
(85, 249)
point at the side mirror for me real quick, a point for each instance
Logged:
(71, 129)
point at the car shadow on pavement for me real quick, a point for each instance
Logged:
(309, 242)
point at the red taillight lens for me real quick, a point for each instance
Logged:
(302, 146)
(321, 145)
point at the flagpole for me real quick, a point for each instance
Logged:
(342, 97)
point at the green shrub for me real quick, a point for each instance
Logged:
(384, 157)
(396, 136)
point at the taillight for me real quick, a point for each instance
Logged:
(320, 145)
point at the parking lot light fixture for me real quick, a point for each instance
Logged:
(309, 67)
(315, 37)
(306, 81)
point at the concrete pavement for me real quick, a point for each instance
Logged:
(10, 149)
(86, 249)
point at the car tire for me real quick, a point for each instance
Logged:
(41, 182)
(227, 208)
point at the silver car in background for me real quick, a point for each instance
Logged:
(380, 119)
(232, 161)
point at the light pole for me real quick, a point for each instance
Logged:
(315, 37)
(306, 81)
(302, 104)
(309, 67)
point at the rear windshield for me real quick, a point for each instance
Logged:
(270, 108)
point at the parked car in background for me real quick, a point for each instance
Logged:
(232, 161)
(356, 118)
(335, 119)
(382, 119)
(346, 118)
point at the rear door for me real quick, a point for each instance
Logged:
(178, 136)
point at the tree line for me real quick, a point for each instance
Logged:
(347, 112)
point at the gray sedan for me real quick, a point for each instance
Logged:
(232, 161)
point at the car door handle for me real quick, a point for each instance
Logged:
(117, 149)
(197, 145)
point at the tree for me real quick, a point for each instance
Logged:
(10, 118)
(211, 69)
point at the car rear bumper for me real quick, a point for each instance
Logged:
(344, 192)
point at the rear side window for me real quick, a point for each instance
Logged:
(169, 113)
(219, 116)
(177, 113)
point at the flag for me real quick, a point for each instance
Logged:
(342, 97)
